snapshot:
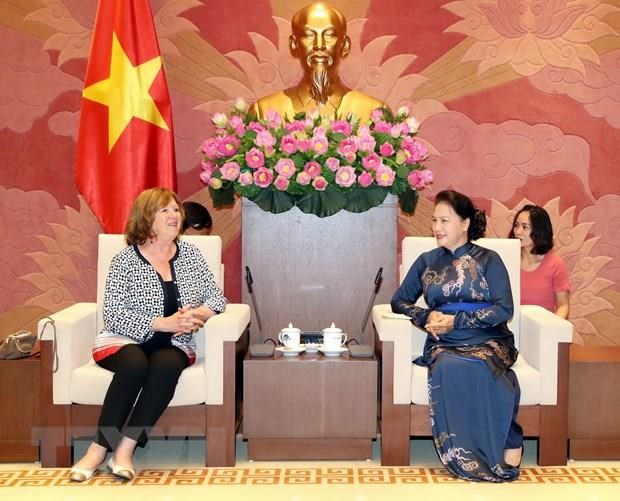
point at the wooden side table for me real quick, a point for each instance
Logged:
(594, 402)
(19, 409)
(309, 407)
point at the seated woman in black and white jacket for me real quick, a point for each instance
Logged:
(159, 291)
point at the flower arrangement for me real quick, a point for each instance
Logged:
(318, 164)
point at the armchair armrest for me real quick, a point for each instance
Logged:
(227, 326)
(541, 332)
(400, 331)
(75, 334)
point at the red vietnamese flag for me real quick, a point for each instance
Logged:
(126, 143)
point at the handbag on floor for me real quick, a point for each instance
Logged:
(17, 345)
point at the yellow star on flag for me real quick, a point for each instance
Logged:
(126, 92)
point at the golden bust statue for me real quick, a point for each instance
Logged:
(319, 39)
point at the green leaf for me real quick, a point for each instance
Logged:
(408, 201)
(322, 203)
(402, 171)
(223, 196)
(382, 137)
(274, 201)
(362, 199)
(249, 191)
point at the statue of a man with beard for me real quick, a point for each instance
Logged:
(319, 40)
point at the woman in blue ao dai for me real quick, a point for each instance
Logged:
(473, 393)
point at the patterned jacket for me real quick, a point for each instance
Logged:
(134, 297)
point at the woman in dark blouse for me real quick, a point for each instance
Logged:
(473, 394)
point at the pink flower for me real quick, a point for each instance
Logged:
(303, 178)
(274, 120)
(345, 176)
(256, 126)
(288, 144)
(205, 176)
(303, 144)
(245, 178)
(207, 165)
(383, 127)
(332, 164)
(219, 119)
(265, 139)
(209, 148)
(227, 145)
(230, 171)
(420, 178)
(236, 122)
(319, 183)
(366, 143)
(414, 150)
(281, 183)
(255, 158)
(372, 161)
(341, 127)
(386, 149)
(295, 126)
(347, 147)
(263, 177)
(313, 169)
(376, 115)
(364, 179)
(385, 176)
(285, 167)
(319, 144)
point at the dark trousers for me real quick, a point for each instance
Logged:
(148, 372)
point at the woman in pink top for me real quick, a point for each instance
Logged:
(544, 280)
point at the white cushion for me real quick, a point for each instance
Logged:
(94, 382)
(529, 381)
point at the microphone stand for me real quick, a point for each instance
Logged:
(249, 281)
(377, 286)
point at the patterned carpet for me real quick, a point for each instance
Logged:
(297, 476)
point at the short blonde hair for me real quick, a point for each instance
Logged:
(142, 214)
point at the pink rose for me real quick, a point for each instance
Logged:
(366, 143)
(236, 122)
(288, 144)
(386, 149)
(245, 178)
(319, 183)
(312, 168)
(256, 126)
(285, 167)
(230, 171)
(281, 183)
(332, 164)
(376, 115)
(319, 145)
(265, 139)
(383, 127)
(255, 158)
(227, 145)
(274, 120)
(385, 176)
(364, 179)
(347, 147)
(295, 126)
(209, 148)
(372, 161)
(207, 165)
(303, 144)
(205, 176)
(303, 178)
(341, 127)
(263, 177)
(345, 176)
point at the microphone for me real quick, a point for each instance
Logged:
(250, 281)
(377, 285)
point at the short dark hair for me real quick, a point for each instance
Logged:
(465, 208)
(197, 216)
(142, 214)
(542, 229)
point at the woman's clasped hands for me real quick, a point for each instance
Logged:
(439, 323)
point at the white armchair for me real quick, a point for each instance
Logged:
(204, 403)
(542, 338)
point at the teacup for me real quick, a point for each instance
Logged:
(333, 338)
(290, 336)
